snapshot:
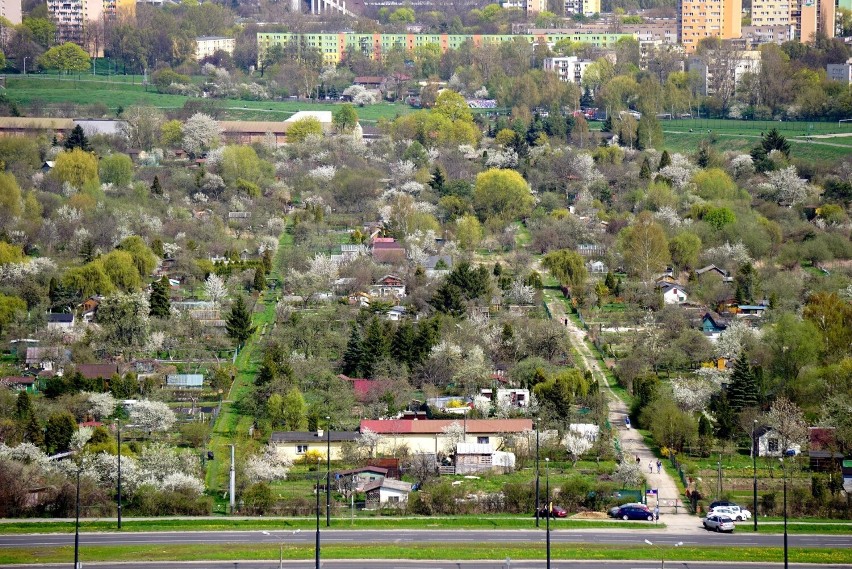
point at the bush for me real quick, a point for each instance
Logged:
(148, 501)
(519, 497)
(258, 499)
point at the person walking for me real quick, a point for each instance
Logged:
(650, 467)
(659, 466)
(656, 513)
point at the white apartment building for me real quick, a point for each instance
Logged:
(840, 71)
(568, 69)
(712, 67)
(585, 7)
(72, 17)
(770, 12)
(206, 46)
(11, 10)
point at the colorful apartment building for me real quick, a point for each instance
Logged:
(11, 10)
(770, 12)
(699, 19)
(119, 9)
(334, 46)
(810, 17)
(72, 17)
(205, 46)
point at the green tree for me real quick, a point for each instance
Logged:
(160, 303)
(124, 322)
(294, 410)
(376, 347)
(301, 129)
(567, 266)
(243, 163)
(719, 217)
(774, 140)
(12, 309)
(121, 270)
(669, 425)
(684, 249)
(10, 200)
(649, 132)
(156, 188)
(144, 259)
(116, 169)
(354, 354)
(742, 389)
(503, 194)
(468, 232)
(345, 118)
(23, 406)
(831, 315)
(714, 184)
(34, 432)
(557, 393)
(124, 386)
(644, 246)
(42, 29)
(67, 58)
(238, 323)
(77, 167)
(665, 160)
(77, 139)
(58, 432)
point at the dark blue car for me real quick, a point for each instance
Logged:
(635, 513)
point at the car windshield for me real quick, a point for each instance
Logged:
(725, 519)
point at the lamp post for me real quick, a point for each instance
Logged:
(719, 485)
(77, 523)
(660, 549)
(784, 476)
(537, 471)
(549, 512)
(118, 497)
(317, 546)
(25, 65)
(328, 472)
(754, 473)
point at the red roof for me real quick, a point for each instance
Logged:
(436, 426)
(383, 240)
(92, 424)
(360, 385)
(18, 380)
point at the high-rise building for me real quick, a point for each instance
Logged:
(119, 9)
(770, 12)
(810, 17)
(72, 18)
(585, 7)
(699, 19)
(11, 10)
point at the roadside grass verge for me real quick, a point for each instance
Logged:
(343, 522)
(419, 551)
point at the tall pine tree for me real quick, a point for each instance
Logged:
(375, 347)
(23, 406)
(156, 188)
(402, 344)
(77, 139)
(159, 302)
(353, 354)
(238, 323)
(742, 390)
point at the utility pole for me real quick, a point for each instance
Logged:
(754, 472)
(77, 523)
(537, 471)
(232, 483)
(118, 499)
(328, 472)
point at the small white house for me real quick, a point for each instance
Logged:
(387, 491)
(769, 443)
(63, 321)
(596, 267)
(673, 293)
(589, 431)
(396, 313)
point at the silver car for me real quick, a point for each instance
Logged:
(719, 522)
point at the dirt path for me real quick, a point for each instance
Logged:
(672, 510)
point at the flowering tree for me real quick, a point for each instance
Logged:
(200, 132)
(368, 441)
(576, 445)
(178, 481)
(628, 473)
(100, 405)
(482, 405)
(730, 343)
(80, 437)
(267, 466)
(454, 434)
(692, 392)
(215, 288)
(152, 416)
(785, 187)
(788, 421)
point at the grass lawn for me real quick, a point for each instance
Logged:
(119, 93)
(471, 551)
(828, 149)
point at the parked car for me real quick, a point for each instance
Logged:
(735, 512)
(718, 522)
(640, 512)
(555, 512)
(613, 512)
(722, 503)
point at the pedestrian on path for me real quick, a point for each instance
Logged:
(656, 513)
(659, 466)
(650, 467)
(638, 460)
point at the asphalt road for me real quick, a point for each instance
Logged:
(623, 537)
(438, 564)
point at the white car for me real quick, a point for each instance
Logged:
(734, 512)
(718, 522)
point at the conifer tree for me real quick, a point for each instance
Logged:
(266, 259)
(402, 343)
(159, 301)
(259, 279)
(353, 354)
(665, 160)
(33, 432)
(645, 170)
(375, 347)
(23, 406)
(77, 139)
(238, 323)
(156, 188)
(742, 390)
(438, 180)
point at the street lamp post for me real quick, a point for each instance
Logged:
(549, 512)
(719, 486)
(662, 554)
(754, 473)
(784, 476)
(118, 497)
(77, 523)
(537, 471)
(25, 65)
(317, 546)
(328, 473)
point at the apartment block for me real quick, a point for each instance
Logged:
(754, 36)
(699, 19)
(531, 7)
(723, 70)
(72, 17)
(585, 7)
(205, 46)
(11, 10)
(568, 69)
(810, 17)
(770, 12)
(119, 9)
(335, 46)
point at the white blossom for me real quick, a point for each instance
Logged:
(100, 405)
(723, 254)
(80, 437)
(482, 404)
(520, 292)
(583, 165)
(215, 288)
(742, 165)
(152, 415)
(200, 132)
(26, 453)
(692, 392)
(576, 445)
(669, 216)
(628, 474)
(454, 434)
(323, 173)
(678, 175)
(368, 441)
(267, 466)
(785, 187)
(731, 341)
(178, 481)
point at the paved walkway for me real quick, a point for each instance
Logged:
(632, 443)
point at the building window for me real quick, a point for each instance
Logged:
(393, 499)
(482, 440)
(301, 449)
(772, 445)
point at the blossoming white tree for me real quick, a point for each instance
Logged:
(576, 445)
(368, 441)
(453, 434)
(628, 473)
(100, 405)
(215, 289)
(152, 416)
(267, 466)
(200, 132)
